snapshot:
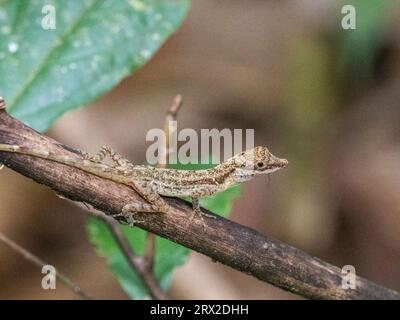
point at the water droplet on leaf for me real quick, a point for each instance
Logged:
(13, 47)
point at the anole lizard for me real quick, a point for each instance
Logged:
(152, 183)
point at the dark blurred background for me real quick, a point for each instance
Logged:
(323, 97)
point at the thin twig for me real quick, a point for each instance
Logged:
(136, 262)
(173, 110)
(150, 250)
(172, 115)
(40, 263)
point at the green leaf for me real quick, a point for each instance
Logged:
(96, 43)
(221, 203)
(168, 255)
(358, 48)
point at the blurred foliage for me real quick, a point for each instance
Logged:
(94, 46)
(311, 97)
(319, 70)
(358, 48)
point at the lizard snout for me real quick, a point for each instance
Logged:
(283, 163)
(278, 162)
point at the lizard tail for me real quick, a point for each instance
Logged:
(99, 169)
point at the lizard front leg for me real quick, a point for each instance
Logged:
(197, 210)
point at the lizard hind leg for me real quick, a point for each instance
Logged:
(108, 151)
(150, 194)
(156, 204)
(129, 210)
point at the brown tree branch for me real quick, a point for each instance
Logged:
(40, 263)
(223, 240)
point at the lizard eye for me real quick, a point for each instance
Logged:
(260, 164)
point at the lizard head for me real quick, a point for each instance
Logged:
(254, 162)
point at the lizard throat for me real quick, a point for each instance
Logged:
(243, 175)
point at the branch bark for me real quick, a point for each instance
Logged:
(222, 240)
